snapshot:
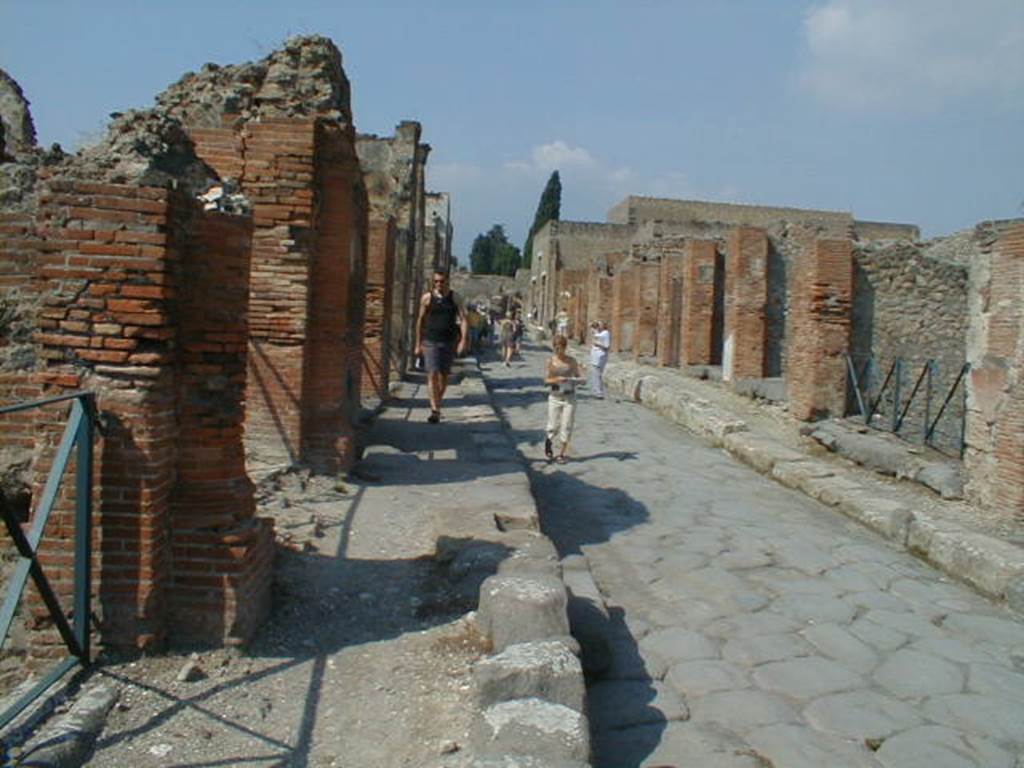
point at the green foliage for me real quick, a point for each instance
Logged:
(493, 254)
(548, 209)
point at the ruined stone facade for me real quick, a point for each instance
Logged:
(203, 271)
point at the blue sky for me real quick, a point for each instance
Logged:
(897, 110)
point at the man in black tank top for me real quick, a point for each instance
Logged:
(442, 326)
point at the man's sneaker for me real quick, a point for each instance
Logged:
(434, 417)
(547, 450)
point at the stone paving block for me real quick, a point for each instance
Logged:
(760, 623)
(615, 704)
(741, 710)
(759, 649)
(588, 616)
(665, 647)
(913, 674)
(759, 452)
(704, 745)
(878, 637)
(549, 732)
(696, 678)
(993, 629)
(793, 474)
(837, 643)
(795, 746)
(996, 718)
(861, 715)
(806, 677)
(931, 746)
(544, 670)
(519, 609)
(994, 680)
(988, 564)
(813, 608)
(830, 491)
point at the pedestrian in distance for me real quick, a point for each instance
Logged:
(518, 329)
(506, 334)
(600, 344)
(562, 376)
(442, 331)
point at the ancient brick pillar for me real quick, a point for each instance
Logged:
(670, 308)
(221, 554)
(380, 269)
(994, 435)
(746, 291)
(698, 302)
(645, 342)
(108, 326)
(279, 180)
(331, 388)
(623, 320)
(821, 315)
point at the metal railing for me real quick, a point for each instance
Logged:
(869, 407)
(77, 437)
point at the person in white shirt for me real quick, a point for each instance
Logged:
(602, 342)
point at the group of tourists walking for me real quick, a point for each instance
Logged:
(443, 331)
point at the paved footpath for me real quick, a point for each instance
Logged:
(751, 626)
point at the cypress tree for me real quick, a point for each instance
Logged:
(548, 209)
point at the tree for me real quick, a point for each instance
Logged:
(493, 254)
(548, 209)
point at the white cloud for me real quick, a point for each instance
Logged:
(917, 54)
(555, 156)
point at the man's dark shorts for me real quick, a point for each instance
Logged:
(438, 356)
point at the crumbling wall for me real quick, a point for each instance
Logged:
(911, 306)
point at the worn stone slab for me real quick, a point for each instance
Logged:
(544, 670)
(995, 680)
(696, 678)
(913, 674)
(760, 452)
(588, 616)
(625, 703)
(764, 648)
(740, 710)
(531, 552)
(69, 740)
(518, 609)
(702, 745)
(806, 677)
(992, 629)
(890, 518)
(931, 746)
(830, 491)
(795, 746)
(837, 643)
(988, 564)
(861, 715)
(994, 717)
(813, 608)
(793, 474)
(664, 647)
(549, 732)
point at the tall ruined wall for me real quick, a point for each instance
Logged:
(489, 289)
(909, 305)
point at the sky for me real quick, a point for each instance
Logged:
(894, 110)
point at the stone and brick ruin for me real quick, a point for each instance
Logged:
(231, 273)
(773, 300)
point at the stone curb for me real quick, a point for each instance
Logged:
(993, 567)
(531, 688)
(67, 742)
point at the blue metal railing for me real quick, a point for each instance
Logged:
(77, 437)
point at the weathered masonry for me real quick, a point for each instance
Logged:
(209, 270)
(785, 302)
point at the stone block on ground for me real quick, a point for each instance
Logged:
(988, 564)
(890, 518)
(945, 478)
(588, 616)
(761, 453)
(552, 733)
(530, 553)
(519, 609)
(545, 669)
(69, 740)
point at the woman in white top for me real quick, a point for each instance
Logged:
(561, 376)
(599, 356)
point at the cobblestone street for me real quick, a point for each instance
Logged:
(749, 625)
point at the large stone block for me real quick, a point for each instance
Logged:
(552, 733)
(544, 669)
(518, 609)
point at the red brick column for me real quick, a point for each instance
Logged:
(108, 327)
(698, 302)
(222, 555)
(821, 310)
(380, 268)
(746, 291)
(279, 182)
(994, 455)
(331, 390)
(623, 320)
(645, 343)
(670, 308)
(599, 298)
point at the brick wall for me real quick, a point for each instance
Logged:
(994, 454)
(380, 275)
(821, 309)
(599, 298)
(670, 308)
(698, 302)
(746, 290)
(623, 320)
(645, 341)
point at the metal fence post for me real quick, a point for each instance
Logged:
(83, 528)
(896, 395)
